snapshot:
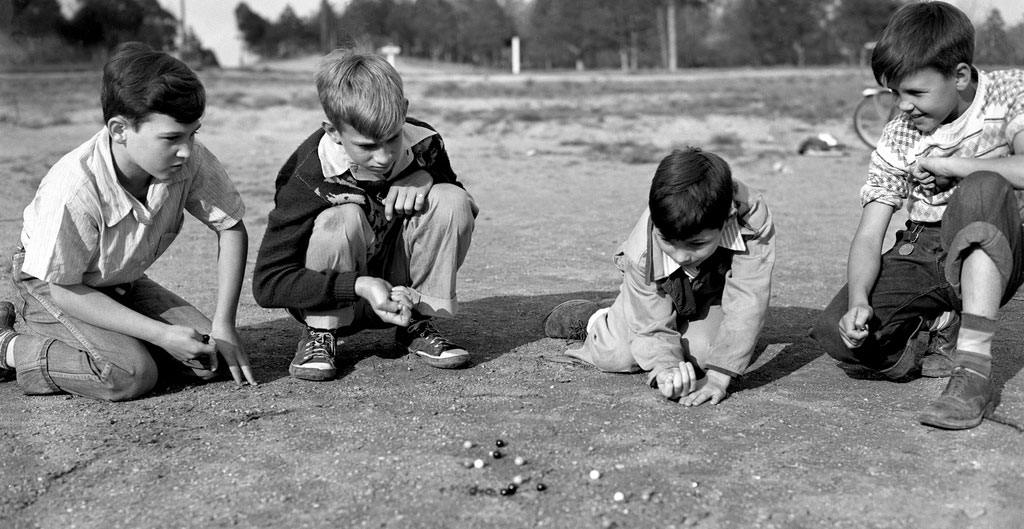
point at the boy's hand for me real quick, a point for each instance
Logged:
(713, 388)
(933, 173)
(408, 195)
(853, 326)
(377, 293)
(228, 344)
(675, 382)
(186, 345)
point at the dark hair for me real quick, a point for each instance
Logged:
(138, 81)
(923, 35)
(691, 192)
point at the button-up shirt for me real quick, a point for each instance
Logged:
(83, 227)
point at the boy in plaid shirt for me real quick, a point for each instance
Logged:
(951, 156)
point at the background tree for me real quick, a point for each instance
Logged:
(253, 28)
(858, 22)
(992, 44)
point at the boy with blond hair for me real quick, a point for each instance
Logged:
(953, 157)
(370, 224)
(97, 325)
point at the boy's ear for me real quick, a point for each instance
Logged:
(963, 75)
(406, 109)
(331, 131)
(118, 126)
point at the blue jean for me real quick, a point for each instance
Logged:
(914, 289)
(61, 353)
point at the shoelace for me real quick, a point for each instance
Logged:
(427, 331)
(319, 346)
(578, 330)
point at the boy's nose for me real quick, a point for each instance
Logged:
(185, 151)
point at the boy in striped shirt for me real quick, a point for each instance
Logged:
(97, 325)
(696, 279)
(952, 157)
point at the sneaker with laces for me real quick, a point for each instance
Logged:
(420, 338)
(7, 333)
(937, 361)
(314, 357)
(966, 400)
(569, 319)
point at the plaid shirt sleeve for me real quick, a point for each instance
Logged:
(889, 171)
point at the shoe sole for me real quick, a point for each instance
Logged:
(450, 362)
(946, 424)
(315, 375)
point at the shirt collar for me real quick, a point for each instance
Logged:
(115, 203)
(334, 161)
(730, 239)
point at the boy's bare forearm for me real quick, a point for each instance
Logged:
(866, 251)
(96, 308)
(233, 246)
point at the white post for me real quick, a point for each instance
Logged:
(515, 55)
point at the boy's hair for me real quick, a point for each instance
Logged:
(362, 91)
(691, 192)
(923, 35)
(138, 81)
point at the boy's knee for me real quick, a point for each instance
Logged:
(452, 201)
(131, 384)
(981, 190)
(615, 363)
(343, 219)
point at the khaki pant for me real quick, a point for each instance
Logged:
(424, 252)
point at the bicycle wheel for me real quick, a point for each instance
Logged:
(871, 115)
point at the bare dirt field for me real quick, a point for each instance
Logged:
(560, 166)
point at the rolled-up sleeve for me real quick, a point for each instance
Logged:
(213, 199)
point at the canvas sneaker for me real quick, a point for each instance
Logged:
(966, 400)
(7, 333)
(314, 357)
(569, 319)
(420, 338)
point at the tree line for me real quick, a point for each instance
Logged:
(38, 31)
(607, 33)
(630, 35)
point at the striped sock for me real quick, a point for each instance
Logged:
(974, 344)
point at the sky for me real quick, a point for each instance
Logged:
(214, 20)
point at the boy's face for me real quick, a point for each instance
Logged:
(158, 146)
(691, 251)
(376, 155)
(932, 99)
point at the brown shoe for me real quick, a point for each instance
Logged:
(937, 361)
(966, 400)
(569, 319)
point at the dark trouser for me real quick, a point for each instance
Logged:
(913, 289)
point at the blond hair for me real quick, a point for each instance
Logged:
(362, 91)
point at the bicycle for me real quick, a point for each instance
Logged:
(876, 108)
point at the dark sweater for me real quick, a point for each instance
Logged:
(280, 278)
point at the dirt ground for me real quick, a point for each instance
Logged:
(560, 167)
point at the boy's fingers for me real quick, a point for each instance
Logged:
(389, 203)
(247, 372)
(421, 201)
